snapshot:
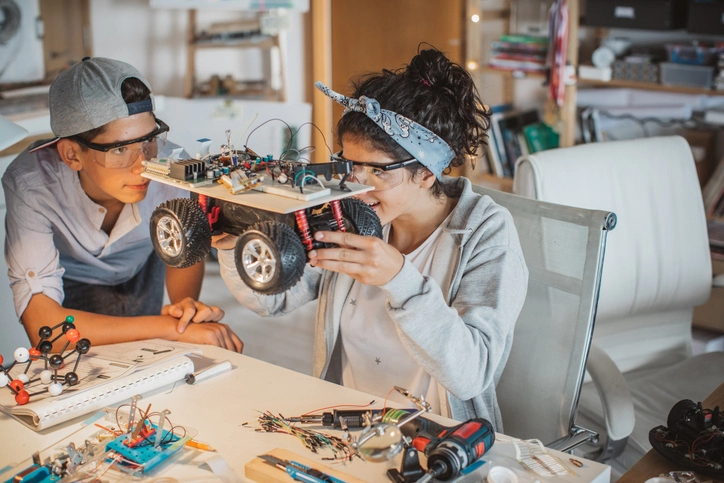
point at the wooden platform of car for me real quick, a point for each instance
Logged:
(267, 201)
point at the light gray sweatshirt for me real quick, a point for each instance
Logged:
(457, 323)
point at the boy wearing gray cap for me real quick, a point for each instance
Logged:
(78, 213)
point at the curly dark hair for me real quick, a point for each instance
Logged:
(432, 91)
(132, 90)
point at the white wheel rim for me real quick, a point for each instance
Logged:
(168, 234)
(259, 261)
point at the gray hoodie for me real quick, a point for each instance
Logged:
(457, 323)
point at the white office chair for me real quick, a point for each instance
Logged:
(657, 269)
(564, 249)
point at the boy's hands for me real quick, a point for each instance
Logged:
(212, 334)
(197, 323)
(367, 259)
(188, 310)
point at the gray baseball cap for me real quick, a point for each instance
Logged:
(87, 95)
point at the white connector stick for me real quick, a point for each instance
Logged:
(205, 373)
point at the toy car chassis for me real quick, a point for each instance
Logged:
(693, 438)
(274, 206)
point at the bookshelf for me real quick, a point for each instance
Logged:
(475, 20)
(478, 15)
(225, 39)
(650, 86)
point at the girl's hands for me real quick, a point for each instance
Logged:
(367, 259)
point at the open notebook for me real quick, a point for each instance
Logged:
(108, 374)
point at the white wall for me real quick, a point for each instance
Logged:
(154, 41)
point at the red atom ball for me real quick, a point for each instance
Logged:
(35, 353)
(72, 335)
(22, 397)
(17, 385)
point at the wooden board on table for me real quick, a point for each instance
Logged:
(262, 472)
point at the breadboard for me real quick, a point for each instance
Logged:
(262, 472)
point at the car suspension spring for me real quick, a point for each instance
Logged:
(303, 226)
(337, 212)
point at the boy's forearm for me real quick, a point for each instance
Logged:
(184, 282)
(99, 329)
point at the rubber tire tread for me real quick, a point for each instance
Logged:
(288, 250)
(679, 410)
(195, 230)
(363, 219)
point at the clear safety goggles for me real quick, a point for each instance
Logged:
(381, 177)
(124, 154)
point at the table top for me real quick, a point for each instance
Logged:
(224, 410)
(653, 464)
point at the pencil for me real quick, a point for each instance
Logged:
(199, 445)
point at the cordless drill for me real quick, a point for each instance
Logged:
(456, 448)
(449, 450)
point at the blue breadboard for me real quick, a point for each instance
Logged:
(145, 454)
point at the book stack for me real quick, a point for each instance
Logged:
(525, 53)
(514, 134)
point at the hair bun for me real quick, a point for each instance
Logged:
(432, 68)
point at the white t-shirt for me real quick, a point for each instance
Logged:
(373, 357)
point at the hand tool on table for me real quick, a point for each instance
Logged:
(299, 471)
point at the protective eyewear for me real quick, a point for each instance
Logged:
(124, 154)
(380, 176)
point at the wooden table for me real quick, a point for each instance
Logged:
(653, 464)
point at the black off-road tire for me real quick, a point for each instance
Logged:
(180, 232)
(360, 218)
(270, 257)
(678, 411)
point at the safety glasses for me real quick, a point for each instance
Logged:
(124, 154)
(381, 177)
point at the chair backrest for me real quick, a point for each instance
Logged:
(564, 249)
(657, 264)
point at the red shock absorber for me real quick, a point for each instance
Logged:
(337, 212)
(204, 204)
(303, 226)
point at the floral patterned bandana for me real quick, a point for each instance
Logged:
(424, 145)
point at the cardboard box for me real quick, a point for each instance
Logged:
(703, 148)
(711, 314)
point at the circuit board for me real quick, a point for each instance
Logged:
(272, 200)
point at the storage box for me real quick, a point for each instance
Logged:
(637, 14)
(711, 314)
(692, 54)
(706, 17)
(687, 75)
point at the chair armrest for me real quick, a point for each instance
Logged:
(618, 408)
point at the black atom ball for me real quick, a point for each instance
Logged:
(71, 378)
(45, 346)
(55, 361)
(83, 346)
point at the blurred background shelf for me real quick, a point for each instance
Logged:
(650, 86)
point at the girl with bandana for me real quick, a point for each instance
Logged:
(431, 307)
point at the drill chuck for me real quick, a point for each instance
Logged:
(447, 460)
